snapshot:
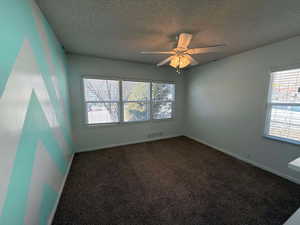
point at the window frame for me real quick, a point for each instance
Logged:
(121, 102)
(269, 106)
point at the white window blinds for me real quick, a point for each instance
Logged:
(283, 120)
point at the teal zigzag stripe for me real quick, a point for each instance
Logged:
(12, 34)
(35, 128)
(22, 24)
(48, 201)
(17, 22)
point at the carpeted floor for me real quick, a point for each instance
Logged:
(173, 181)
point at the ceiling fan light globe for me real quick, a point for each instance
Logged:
(180, 61)
(184, 62)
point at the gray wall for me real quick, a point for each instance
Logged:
(226, 104)
(88, 138)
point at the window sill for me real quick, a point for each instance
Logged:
(284, 140)
(98, 125)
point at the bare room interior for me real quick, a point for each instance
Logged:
(150, 112)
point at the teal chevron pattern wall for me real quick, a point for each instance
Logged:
(35, 133)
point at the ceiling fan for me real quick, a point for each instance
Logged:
(181, 55)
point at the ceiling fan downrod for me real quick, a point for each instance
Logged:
(178, 70)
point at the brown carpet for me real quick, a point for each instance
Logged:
(172, 181)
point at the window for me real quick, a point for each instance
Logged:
(122, 101)
(163, 96)
(102, 100)
(283, 119)
(136, 101)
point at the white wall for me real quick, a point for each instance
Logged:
(91, 138)
(226, 104)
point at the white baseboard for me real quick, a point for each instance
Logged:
(128, 143)
(51, 217)
(234, 155)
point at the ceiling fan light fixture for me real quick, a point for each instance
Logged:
(180, 62)
(181, 56)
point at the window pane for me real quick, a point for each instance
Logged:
(102, 112)
(136, 111)
(162, 110)
(162, 91)
(136, 91)
(286, 86)
(285, 122)
(101, 90)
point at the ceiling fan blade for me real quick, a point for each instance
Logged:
(192, 60)
(158, 52)
(194, 51)
(184, 40)
(165, 61)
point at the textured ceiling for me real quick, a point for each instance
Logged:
(121, 29)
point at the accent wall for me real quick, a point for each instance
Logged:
(35, 132)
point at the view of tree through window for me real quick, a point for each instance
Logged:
(136, 100)
(163, 96)
(103, 103)
(102, 100)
